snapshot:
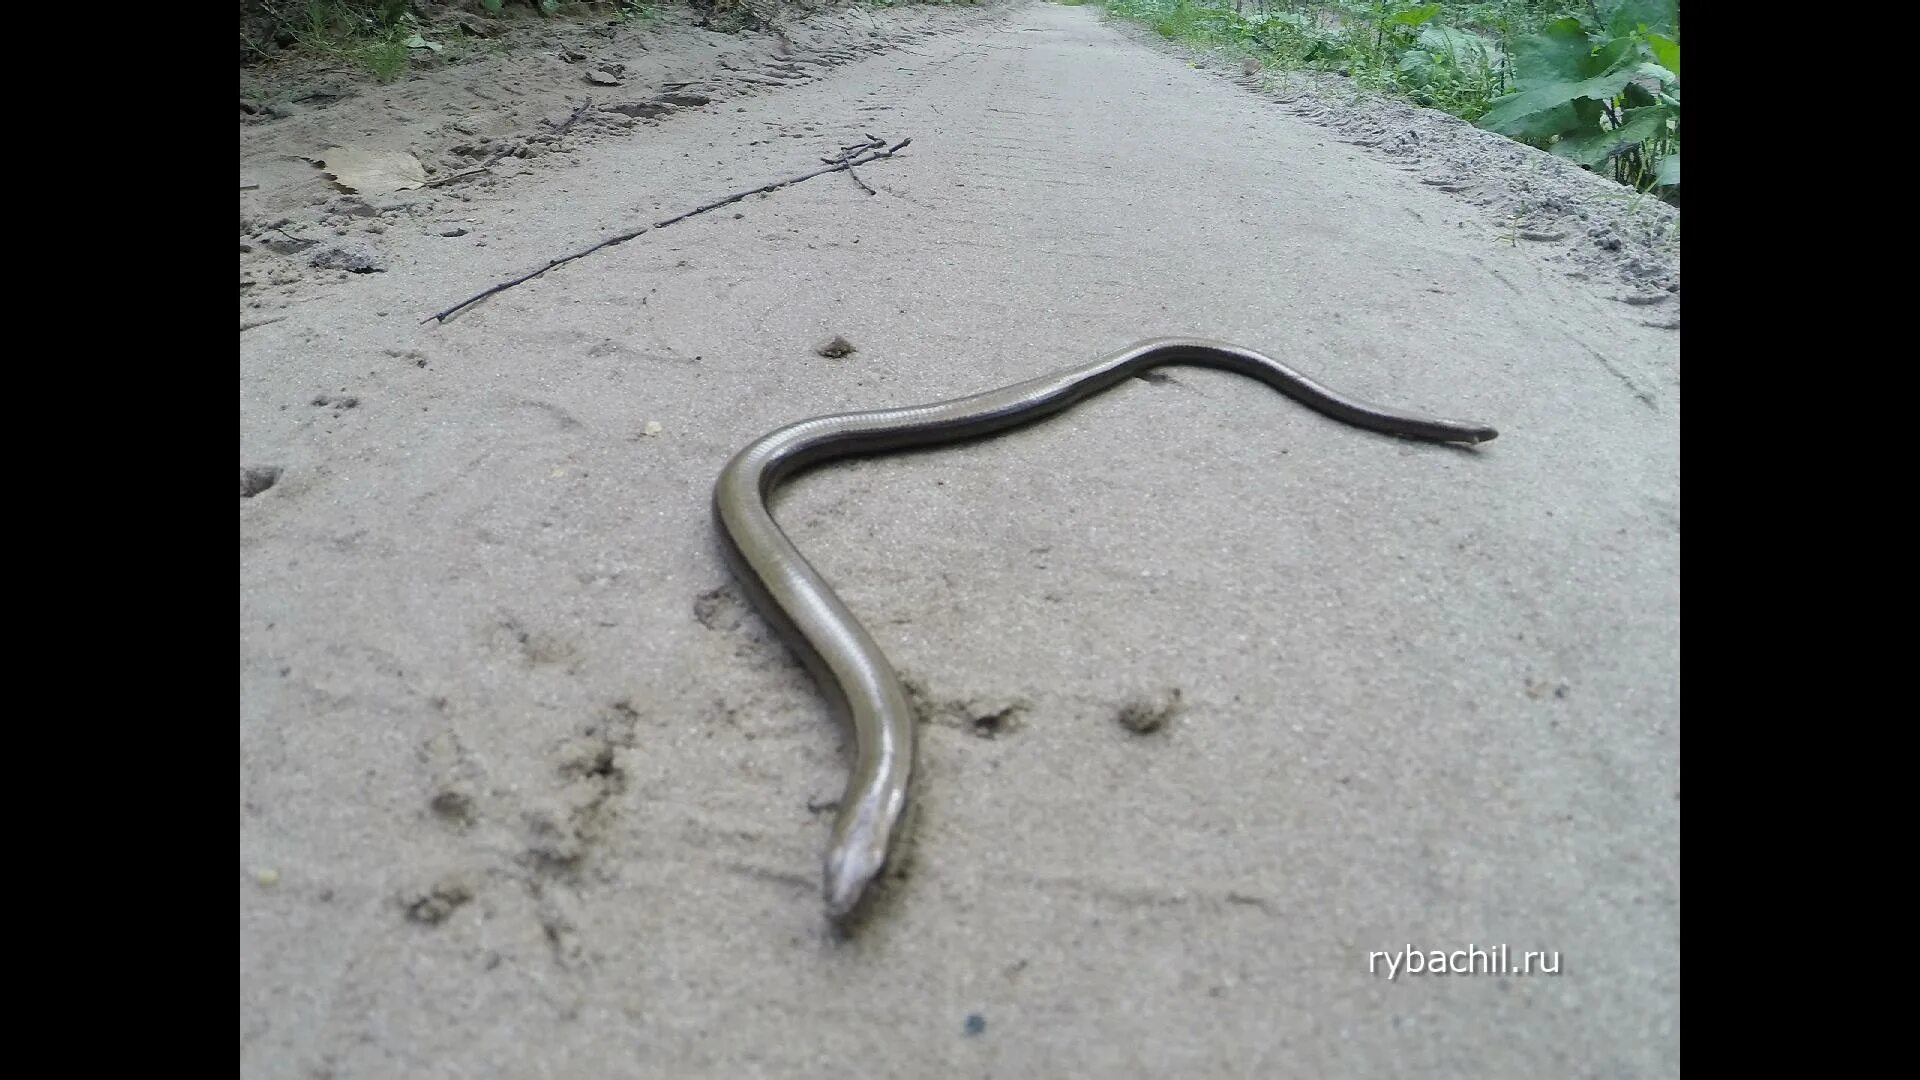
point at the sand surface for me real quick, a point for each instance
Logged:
(527, 789)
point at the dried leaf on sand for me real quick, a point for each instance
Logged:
(373, 172)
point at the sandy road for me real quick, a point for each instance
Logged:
(543, 798)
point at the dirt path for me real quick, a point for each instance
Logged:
(527, 790)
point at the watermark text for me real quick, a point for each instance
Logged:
(1472, 960)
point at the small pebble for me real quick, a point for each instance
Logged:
(1145, 714)
(267, 876)
(255, 479)
(653, 428)
(976, 1024)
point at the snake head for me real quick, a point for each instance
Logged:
(849, 871)
(861, 842)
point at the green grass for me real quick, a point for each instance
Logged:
(386, 58)
(371, 34)
(1596, 82)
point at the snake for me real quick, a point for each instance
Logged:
(838, 652)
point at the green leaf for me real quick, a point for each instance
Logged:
(1625, 16)
(1669, 172)
(1413, 16)
(492, 6)
(1667, 51)
(1458, 44)
(1541, 126)
(1591, 148)
(1606, 58)
(1509, 113)
(1558, 53)
(418, 42)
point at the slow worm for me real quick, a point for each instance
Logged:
(839, 652)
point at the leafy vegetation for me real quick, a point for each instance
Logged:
(1595, 82)
(383, 35)
(379, 35)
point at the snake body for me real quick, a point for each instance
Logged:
(842, 657)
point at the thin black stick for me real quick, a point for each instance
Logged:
(577, 114)
(857, 180)
(871, 143)
(844, 163)
(490, 163)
